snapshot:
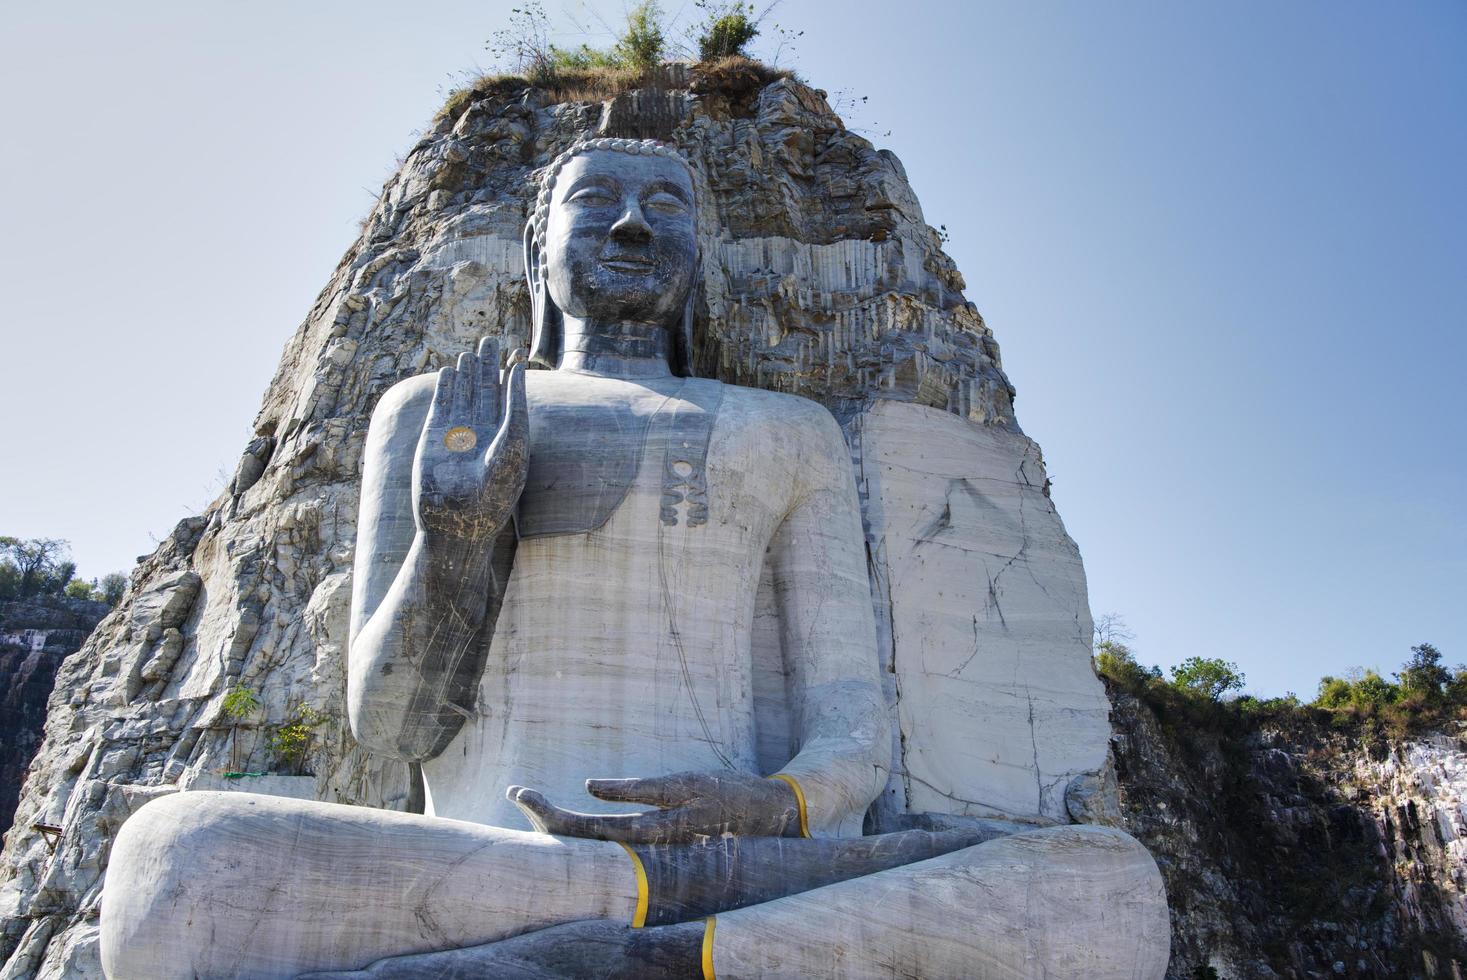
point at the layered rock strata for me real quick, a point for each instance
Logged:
(820, 277)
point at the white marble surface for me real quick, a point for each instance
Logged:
(629, 651)
(1064, 902)
(234, 885)
(982, 616)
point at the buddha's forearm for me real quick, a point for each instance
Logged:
(415, 664)
(845, 752)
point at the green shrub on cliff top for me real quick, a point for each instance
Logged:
(1208, 677)
(727, 31)
(641, 45)
(1428, 696)
(1115, 660)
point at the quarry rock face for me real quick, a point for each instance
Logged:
(36, 635)
(1291, 848)
(820, 277)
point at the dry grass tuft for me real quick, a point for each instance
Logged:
(735, 77)
(560, 84)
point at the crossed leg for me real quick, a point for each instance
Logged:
(212, 885)
(232, 885)
(1062, 902)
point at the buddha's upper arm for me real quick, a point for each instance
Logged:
(385, 520)
(820, 560)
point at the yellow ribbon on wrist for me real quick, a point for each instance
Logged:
(799, 799)
(639, 917)
(708, 973)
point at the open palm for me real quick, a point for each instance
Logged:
(473, 455)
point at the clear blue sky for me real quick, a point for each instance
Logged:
(1223, 247)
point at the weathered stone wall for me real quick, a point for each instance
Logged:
(821, 277)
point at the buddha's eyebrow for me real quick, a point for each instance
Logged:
(593, 180)
(670, 187)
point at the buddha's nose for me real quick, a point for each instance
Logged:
(632, 225)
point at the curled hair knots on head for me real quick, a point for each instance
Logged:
(541, 213)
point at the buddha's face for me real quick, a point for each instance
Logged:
(620, 243)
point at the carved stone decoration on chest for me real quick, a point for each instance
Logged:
(586, 457)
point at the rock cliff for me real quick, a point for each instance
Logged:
(1291, 848)
(57, 626)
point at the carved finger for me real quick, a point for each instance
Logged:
(464, 388)
(659, 791)
(508, 455)
(545, 816)
(548, 818)
(441, 409)
(488, 415)
(679, 824)
(516, 412)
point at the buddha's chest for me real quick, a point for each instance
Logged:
(595, 441)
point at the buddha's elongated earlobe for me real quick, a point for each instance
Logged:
(544, 324)
(682, 341)
(682, 334)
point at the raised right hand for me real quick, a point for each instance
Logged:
(473, 455)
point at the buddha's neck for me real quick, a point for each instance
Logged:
(614, 349)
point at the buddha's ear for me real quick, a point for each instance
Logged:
(682, 340)
(544, 318)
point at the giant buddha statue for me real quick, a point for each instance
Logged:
(553, 620)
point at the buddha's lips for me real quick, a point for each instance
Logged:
(629, 263)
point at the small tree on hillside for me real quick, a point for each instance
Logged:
(1210, 677)
(112, 587)
(641, 45)
(1424, 674)
(727, 31)
(9, 579)
(40, 562)
(58, 578)
(1373, 690)
(239, 703)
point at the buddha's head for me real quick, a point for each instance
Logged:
(613, 242)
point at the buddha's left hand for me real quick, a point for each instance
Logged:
(690, 805)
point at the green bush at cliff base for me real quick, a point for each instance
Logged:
(292, 742)
(239, 702)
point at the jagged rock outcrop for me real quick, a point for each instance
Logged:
(1291, 848)
(45, 630)
(820, 277)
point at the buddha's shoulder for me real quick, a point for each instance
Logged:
(785, 416)
(408, 396)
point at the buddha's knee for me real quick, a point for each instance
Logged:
(1093, 893)
(174, 860)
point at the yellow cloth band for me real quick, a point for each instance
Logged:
(639, 917)
(799, 798)
(708, 973)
